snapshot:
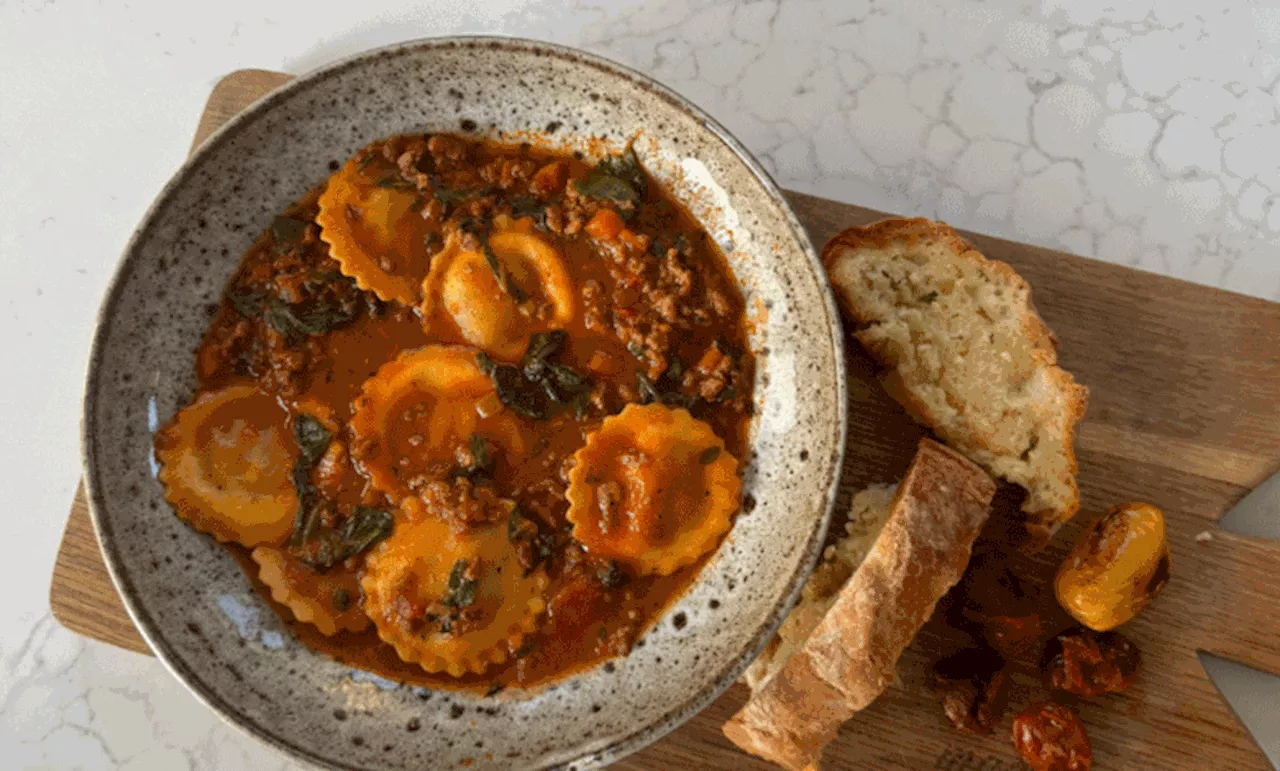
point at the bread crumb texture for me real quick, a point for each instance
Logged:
(867, 514)
(966, 353)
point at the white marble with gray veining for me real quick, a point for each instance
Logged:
(1144, 133)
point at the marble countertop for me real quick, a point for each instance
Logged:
(1141, 133)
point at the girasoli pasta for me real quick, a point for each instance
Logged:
(470, 414)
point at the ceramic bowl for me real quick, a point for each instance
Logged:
(190, 599)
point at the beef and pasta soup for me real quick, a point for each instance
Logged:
(470, 414)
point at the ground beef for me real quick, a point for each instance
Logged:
(464, 502)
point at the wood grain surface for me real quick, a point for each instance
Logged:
(1184, 413)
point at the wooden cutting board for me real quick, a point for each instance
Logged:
(1184, 413)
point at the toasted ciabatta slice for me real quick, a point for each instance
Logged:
(842, 641)
(966, 353)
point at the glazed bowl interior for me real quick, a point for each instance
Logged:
(189, 597)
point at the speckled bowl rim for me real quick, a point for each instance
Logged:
(645, 735)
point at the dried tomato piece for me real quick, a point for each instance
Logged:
(1013, 636)
(1000, 606)
(1089, 663)
(974, 687)
(1050, 737)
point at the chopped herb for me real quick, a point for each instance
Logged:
(341, 600)
(709, 455)
(487, 365)
(287, 232)
(636, 350)
(527, 647)
(462, 590)
(728, 394)
(369, 158)
(494, 690)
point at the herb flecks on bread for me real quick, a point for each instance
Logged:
(847, 658)
(966, 353)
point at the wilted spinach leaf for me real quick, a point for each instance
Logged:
(651, 392)
(615, 178)
(563, 384)
(542, 346)
(287, 231)
(537, 387)
(612, 576)
(449, 196)
(310, 317)
(675, 370)
(462, 590)
(394, 181)
(528, 206)
(247, 302)
(364, 528)
(481, 465)
(313, 439)
(503, 276)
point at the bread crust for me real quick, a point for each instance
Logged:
(1074, 397)
(849, 660)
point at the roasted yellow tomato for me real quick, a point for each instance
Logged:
(418, 417)
(451, 599)
(375, 232)
(498, 298)
(1116, 569)
(652, 487)
(328, 601)
(226, 463)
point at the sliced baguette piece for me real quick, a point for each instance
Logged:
(847, 659)
(867, 514)
(966, 353)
